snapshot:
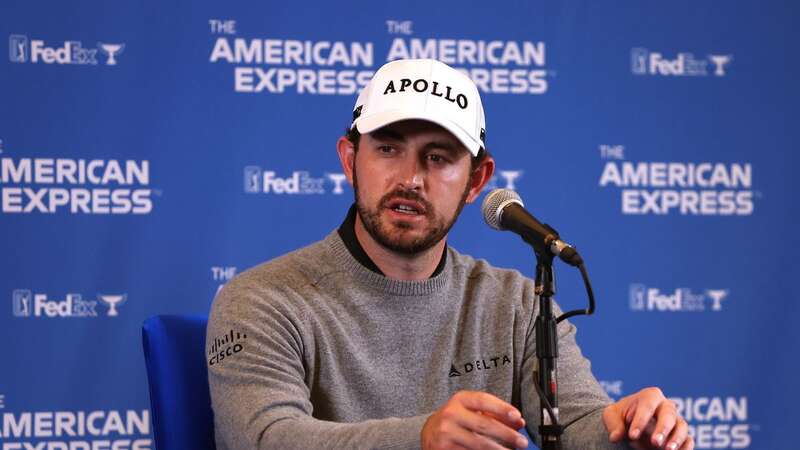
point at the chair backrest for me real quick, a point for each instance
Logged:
(174, 352)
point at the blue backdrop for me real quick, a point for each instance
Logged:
(151, 150)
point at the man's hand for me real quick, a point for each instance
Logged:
(649, 420)
(473, 420)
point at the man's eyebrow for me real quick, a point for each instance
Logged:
(448, 146)
(385, 134)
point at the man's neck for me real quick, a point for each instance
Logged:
(399, 266)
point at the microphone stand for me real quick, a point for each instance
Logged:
(546, 244)
(546, 375)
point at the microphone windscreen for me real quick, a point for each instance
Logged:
(493, 204)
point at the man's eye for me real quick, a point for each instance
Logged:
(385, 149)
(436, 158)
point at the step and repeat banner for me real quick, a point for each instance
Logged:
(151, 151)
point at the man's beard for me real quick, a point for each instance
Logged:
(381, 233)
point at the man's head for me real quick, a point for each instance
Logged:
(415, 154)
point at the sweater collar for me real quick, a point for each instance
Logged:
(345, 259)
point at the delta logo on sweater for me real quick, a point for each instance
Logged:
(478, 365)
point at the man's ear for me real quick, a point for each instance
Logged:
(479, 177)
(347, 156)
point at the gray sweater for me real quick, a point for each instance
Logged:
(313, 350)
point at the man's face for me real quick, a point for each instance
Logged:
(411, 180)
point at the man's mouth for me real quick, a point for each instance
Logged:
(408, 207)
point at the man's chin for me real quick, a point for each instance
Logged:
(401, 226)
(408, 241)
(407, 247)
(400, 237)
(400, 234)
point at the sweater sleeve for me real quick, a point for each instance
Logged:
(581, 399)
(259, 390)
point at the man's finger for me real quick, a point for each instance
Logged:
(614, 421)
(688, 444)
(485, 425)
(519, 424)
(641, 417)
(678, 436)
(484, 402)
(473, 441)
(667, 417)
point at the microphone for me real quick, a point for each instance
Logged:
(503, 210)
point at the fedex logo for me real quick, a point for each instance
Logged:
(35, 51)
(643, 298)
(645, 62)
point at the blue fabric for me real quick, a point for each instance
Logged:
(174, 351)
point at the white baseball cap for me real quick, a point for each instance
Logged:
(422, 89)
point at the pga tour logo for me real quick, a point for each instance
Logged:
(645, 62)
(24, 50)
(643, 298)
(28, 304)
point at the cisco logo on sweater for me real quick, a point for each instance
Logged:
(456, 370)
(225, 346)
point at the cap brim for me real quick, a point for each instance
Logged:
(368, 124)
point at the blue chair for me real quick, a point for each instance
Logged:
(174, 352)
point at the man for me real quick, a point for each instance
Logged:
(382, 336)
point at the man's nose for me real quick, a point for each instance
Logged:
(411, 173)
